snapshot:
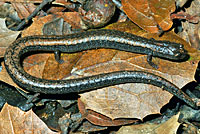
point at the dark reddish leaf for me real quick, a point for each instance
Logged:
(101, 120)
(186, 16)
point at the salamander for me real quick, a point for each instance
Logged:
(102, 38)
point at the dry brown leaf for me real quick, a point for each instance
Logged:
(7, 36)
(168, 127)
(15, 121)
(148, 14)
(35, 64)
(60, 70)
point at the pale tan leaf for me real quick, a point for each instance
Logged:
(168, 127)
(7, 36)
(15, 121)
(5, 77)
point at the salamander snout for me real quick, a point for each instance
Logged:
(172, 51)
(180, 53)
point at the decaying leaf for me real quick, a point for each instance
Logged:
(6, 36)
(13, 120)
(168, 127)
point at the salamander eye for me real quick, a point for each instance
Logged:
(181, 46)
(177, 54)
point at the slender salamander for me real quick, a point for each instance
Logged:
(103, 38)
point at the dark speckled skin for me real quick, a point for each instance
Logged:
(93, 40)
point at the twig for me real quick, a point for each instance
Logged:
(34, 13)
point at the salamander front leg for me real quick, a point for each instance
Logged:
(149, 60)
(57, 56)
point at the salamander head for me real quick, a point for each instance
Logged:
(172, 51)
